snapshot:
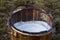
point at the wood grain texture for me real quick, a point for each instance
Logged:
(19, 36)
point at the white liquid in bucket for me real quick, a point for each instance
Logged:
(32, 26)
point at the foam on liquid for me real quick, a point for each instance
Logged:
(32, 26)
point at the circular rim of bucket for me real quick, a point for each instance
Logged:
(25, 31)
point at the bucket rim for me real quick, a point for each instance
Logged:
(25, 31)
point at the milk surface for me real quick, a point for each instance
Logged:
(32, 26)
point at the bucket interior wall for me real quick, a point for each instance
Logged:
(26, 15)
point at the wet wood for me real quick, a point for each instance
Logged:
(28, 37)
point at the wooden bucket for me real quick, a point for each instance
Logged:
(33, 14)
